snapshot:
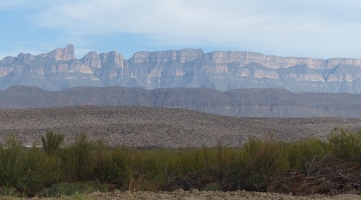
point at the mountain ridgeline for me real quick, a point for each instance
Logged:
(187, 68)
(240, 102)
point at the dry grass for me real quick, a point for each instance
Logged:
(328, 175)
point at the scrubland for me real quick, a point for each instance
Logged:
(298, 168)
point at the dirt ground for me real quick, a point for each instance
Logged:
(211, 195)
(206, 195)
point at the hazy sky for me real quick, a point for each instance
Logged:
(305, 28)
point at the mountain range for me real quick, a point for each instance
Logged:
(186, 68)
(240, 102)
(107, 95)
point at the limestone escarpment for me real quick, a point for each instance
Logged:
(180, 56)
(113, 59)
(61, 54)
(92, 60)
(221, 70)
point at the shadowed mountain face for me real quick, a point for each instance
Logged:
(187, 68)
(241, 102)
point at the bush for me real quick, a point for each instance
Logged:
(68, 189)
(17, 166)
(301, 152)
(345, 144)
(29, 171)
(212, 187)
(10, 192)
(78, 161)
(52, 142)
(258, 161)
(111, 165)
(11, 166)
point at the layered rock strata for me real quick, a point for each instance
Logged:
(192, 68)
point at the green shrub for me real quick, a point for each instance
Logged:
(78, 161)
(345, 144)
(16, 165)
(68, 189)
(191, 160)
(212, 187)
(29, 171)
(226, 158)
(10, 192)
(148, 169)
(303, 151)
(11, 166)
(52, 142)
(111, 165)
(258, 161)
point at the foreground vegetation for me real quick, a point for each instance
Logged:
(301, 167)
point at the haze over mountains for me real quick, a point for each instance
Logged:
(187, 68)
(240, 102)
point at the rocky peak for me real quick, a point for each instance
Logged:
(22, 57)
(9, 60)
(181, 56)
(61, 54)
(92, 60)
(113, 58)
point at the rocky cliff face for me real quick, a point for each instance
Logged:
(221, 70)
(180, 56)
(92, 59)
(112, 59)
(60, 54)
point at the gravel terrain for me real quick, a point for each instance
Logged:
(159, 127)
(215, 195)
(204, 195)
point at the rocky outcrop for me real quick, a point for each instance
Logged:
(180, 56)
(221, 70)
(92, 60)
(113, 59)
(61, 54)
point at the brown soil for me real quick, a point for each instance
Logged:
(209, 195)
(197, 195)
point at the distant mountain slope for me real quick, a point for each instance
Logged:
(159, 127)
(187, 68)
(241, 102)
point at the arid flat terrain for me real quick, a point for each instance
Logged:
(159, 127)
